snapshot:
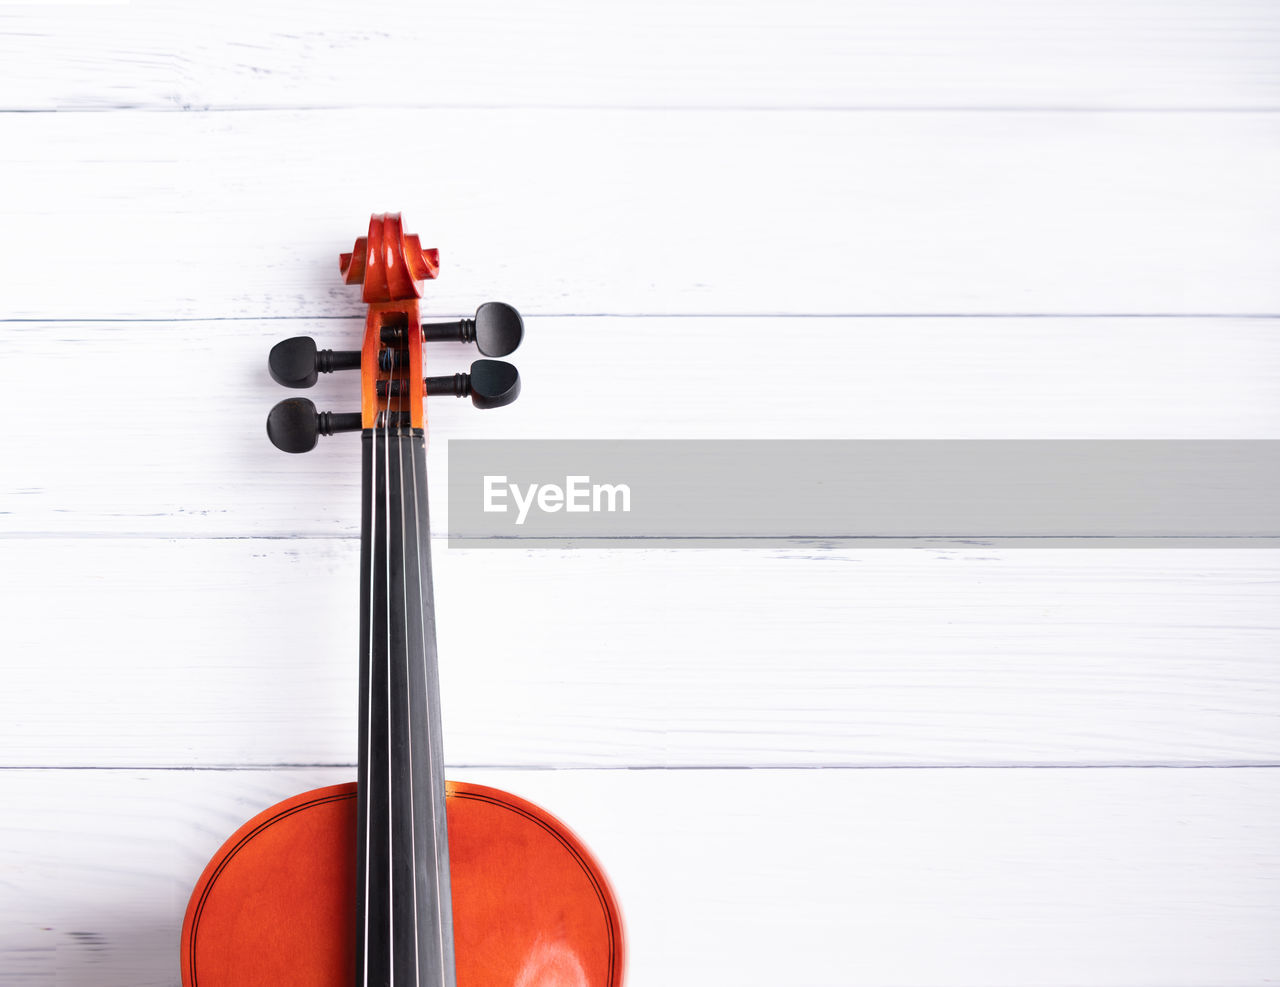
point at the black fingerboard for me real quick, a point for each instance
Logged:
(405, 923)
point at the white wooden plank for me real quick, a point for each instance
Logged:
(894, 878)
(161, 216)
(174, 442)
(128, 651)
(213, 652)
(981, 53)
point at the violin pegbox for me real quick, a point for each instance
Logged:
(391, 267)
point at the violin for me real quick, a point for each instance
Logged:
(400, 878)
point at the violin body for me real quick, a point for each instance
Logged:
(276, 906)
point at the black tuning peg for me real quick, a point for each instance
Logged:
(496, 330)
(294, 425)
(296, 362)
(491, 383)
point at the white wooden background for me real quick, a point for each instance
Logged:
(978, 219)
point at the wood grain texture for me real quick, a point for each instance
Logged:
(176, 410)
(803, 53)
(229, 652)
(753, 878)
(203, 215)
(727, 170)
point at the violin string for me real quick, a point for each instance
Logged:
(386, 449)
(370, 658)
(404, 582)
(433, 784)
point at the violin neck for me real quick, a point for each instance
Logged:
(405, 924)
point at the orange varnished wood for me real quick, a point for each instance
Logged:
(390, 266)
(276, 905)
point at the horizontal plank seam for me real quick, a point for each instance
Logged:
(163, 320)
(596, 541)
(888, 766)
(1134, 108)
